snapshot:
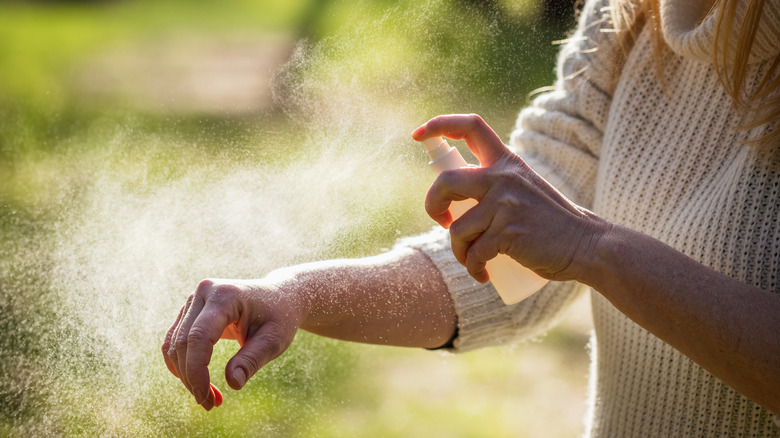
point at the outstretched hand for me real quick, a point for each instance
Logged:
(257, 314)
(518, 212)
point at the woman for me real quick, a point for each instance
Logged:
(664, 123)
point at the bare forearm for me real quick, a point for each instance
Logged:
(398, 298)
(727, 327)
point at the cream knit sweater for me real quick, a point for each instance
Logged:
(666, 162)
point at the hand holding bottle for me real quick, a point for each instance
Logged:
(518, 213)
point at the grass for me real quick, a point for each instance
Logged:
(110, 213)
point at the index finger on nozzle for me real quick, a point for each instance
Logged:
(453, 126)
(479, 136)
(439, 126)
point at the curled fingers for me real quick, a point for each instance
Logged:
(169, 355)
(452, 186)
(218, 312)
(180, 337)
(468, 228)
(266, 344)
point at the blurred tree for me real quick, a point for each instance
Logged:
(307, 27)
(490, 6)
(559, 10)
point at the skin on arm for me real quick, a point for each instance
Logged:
(727, 327)
(397, 298)
(724, 325)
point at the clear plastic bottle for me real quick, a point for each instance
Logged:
(513, 281)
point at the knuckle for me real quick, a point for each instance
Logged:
(179, 344)
(475, 120)
(514, 233)
(504, 178)
(481, 251)
(457, 229)
(197, 335)
(223, 294)
(474, 254)
(507, 200)
(446, 182)
(447, 177)
(211, 290)
(204, 287)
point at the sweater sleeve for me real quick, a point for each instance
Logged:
(483, 319)
(559, 136)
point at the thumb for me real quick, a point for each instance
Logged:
(260, 348)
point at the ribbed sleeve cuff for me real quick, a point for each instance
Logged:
(480, 311)
(476, 304)
(483, 318)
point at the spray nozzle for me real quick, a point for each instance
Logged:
(436, 147)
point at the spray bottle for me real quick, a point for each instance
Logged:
(513, 281)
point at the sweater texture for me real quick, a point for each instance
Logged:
(664, 158)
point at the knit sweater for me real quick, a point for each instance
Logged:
(665, 160)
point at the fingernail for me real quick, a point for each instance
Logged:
(418, 132)
(217, 396)
(240, 377)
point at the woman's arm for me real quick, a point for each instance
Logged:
(727, 327)
(397, 298)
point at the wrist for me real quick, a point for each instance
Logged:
(616, 259)
(593, 261)
(290, 285)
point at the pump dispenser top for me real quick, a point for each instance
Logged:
(512, 281)
(443, 156)
(436, 147)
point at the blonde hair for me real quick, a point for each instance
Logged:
(762, 105)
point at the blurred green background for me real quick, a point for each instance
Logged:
(145, 145)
